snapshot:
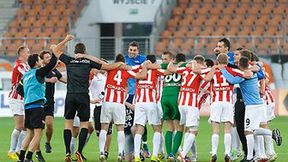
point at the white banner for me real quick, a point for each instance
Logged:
(59, 104)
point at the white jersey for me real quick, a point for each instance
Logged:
(97, 87)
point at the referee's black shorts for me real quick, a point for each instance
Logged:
(97, 123)
(34, 118)
(79, 102)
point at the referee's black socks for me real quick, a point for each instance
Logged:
(22, 155)
(82, 139)
(67, 134)
(29, 155)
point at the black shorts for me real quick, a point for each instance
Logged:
(49, 109)
(79, 102)
(35, 118)
(97, 114)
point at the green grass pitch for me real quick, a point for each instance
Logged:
(91, 150)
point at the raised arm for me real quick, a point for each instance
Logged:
(58, 49)
(43, 71)
(90, 57)
(143, 73)
(172, 68)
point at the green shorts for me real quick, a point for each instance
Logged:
(170, 107)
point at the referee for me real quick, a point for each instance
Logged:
(77, 97)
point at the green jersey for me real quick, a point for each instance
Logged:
(172, 83)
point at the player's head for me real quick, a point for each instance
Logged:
(237, 55)
(247, 53)
(243, 63)
(133, 49)
(23, 52)
(254, 58)
(167, 56)
(199, 59)
(180, 57)
(119, 58)
(34, 61)
(209, 62)
(223, 46)
(151, 58)
(45, 55)
(80, 48)
(222, 59)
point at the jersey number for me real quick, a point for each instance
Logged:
(218, 84)
(118, 77)
(175, 77)
(185, 78)
(148, 80)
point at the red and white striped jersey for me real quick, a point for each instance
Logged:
(18, 70)
(221, 89)
(116, 85)
(146, 90)
(188, 95)
(205, 88)
(269, 96)
(160, 87)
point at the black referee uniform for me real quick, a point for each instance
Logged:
(77, 97)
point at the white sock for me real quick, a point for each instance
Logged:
(227, 143)
(250, 146)
(194, 149)
(188, 141)
(235, 139)
(137, 145)
(269, 145)
(121, 142)
(156, 143)
(161, 148)
(263, 132)
(261, 146)
(215, 141)
(102, 140)
(14, 140)
(256, 146)
(20, 140)
(73, 144)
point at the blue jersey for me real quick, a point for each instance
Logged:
(249, 87)
(138, 60)
(231, 57)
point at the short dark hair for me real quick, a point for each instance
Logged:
(254, 57)
(168, 53)
(151, 58)
(244, 62)
(20, 50)
(209, 62)
(246, 53)
(80, 48)
(239, 49)
(119, 58)
(32, 59)
(134, 44)
(226, 43)
(180, 57)
(42, 53)
(199, 59)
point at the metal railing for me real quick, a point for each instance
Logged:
(107, 47)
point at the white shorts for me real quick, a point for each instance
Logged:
(112, 111)
(160, 111)
(146, 112)
(222, 112)
(270, 111)
(189, 116)
(16, 106)
(253, 116)
(76, 121)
